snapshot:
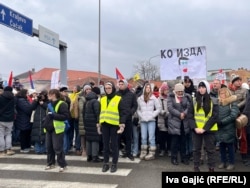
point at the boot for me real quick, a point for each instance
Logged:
(244, 158)
(96, 159)
(174, 161)
(151, 154)
(144, 151)
(83, 146)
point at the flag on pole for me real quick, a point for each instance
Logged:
(221, 76)
(55, 79)
(10, 79)
(136, 77)
(119, 75)
(31, 81)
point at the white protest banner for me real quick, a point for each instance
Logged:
(180, 62)
(55, 79)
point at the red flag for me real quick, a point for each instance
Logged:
(10, 79)
(31, 81)
(119, 75)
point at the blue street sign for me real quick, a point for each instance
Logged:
(15, 20)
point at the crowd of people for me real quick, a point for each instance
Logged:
(186, 123)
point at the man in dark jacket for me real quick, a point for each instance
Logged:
(6, 121)
(129, 99)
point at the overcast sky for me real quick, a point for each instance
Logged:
(131, 31)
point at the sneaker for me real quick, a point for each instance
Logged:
(61, 169)
(131, 157)
(25, 150)
(169, 153)
(105, 168)
(230, 167)
(135, 155)
(49, 167)
(2, 154)
(10, 152)
(162, 153)
(222, 165)
(196, 169)
(113, 168)
(210, 169)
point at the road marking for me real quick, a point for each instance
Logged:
(68, 157)
(18, 183)
(70, 169)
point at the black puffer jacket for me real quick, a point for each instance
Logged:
(7, 104)
(24, 109)
(37, 133)
(91, 117)
(129, 98)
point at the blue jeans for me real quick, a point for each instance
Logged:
(40, 148)
(66, 142)
(148, 133)
(135, 142)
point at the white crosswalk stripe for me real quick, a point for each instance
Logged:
(17, 164)
(17, 183)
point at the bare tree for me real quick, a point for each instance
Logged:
(147, 70)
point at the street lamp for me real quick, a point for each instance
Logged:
(99, 45)
(153, 57)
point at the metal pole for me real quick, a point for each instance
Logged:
(99, 46)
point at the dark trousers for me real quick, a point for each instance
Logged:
(209, 144)
(25, 139)
(163, 140)
(109, 134)
(227, 149)
(127, 134)
(178, 143)
(54, 144)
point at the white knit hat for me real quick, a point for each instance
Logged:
(206, 84)
(178, 87)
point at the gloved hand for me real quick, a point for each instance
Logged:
(121, 128)
(51, 115)
(98, 128)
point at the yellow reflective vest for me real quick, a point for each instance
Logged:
(58, 125)
(201, 120)
(109, 112)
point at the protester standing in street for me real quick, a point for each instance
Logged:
(6, 120)
(203, 122)
(55, 126)
(111, 122)
(130, 100)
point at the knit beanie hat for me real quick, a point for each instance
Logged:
(178, 87)
(8, 88)
(164, 86)
(96, 90)
(86, 87)
(63, 89)
(235, 78)
(204, 83)
(125, 82)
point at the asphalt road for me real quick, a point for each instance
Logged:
(27, 171)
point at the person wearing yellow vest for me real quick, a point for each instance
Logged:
(112, 120)
(74, 120)
(204, 120)
(55, 130)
